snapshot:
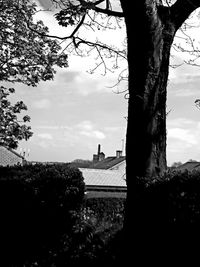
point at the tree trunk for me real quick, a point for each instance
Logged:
(149, 47)
(149, 42)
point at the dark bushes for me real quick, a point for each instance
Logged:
(46, 221)
(165, 219)
(39, 206)
(171, 199)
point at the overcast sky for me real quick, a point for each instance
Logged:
(77, 111)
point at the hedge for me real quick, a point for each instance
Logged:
(165, 219)
(39, 206)
(45, 218)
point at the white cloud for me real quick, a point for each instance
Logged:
(47, 136)
(180, 122)
(183, 140)
(53, 127)
(42, 104)
(72, 133)
(184, 135)
(93, 134)
(184, 92)
(85, 125)
(86, 128)
(87, 84)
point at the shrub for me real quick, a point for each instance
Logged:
(166, 217)
(39, 205)
(173, 198)
(105, 214)
(100, 220)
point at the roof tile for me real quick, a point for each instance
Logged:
(103, 177)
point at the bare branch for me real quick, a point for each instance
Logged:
(181, 10)
(109, 12)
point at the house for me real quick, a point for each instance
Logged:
(104, 183)
(9, 157)
(117, 162)
(189, 166)
(105, 176)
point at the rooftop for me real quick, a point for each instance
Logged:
(190, 165)
(107, 163)
(94, 177)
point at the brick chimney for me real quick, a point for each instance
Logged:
(99, 149)
(95, 158)
(118, 154)
(99, 156)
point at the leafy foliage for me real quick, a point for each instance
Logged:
(12, 129)
(71, 14)
(26, 54)
(39, 208)
(99, 221)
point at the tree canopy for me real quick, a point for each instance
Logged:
(12, 129)
(27, 56)
(151, 26)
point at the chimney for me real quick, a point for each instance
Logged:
(118, 154)
(99, 156)
(95, 158)
(99, 149)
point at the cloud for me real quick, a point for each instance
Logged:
(180, 122)
(85, 125)
(184, 74)
(42, 104)
(87, 84)
(184, 135)
(47, 136)
(73, 133)
(184, 130)
(86, 128)
(93, 134)
(185, 92)
(53, 127)
(67, 76)
(183, 140)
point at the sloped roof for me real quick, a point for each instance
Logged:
(12, 151)
(107, 163)
(190, 165)
(9, 157)
(108, 178)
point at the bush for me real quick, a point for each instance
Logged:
(106, 214)
(173, 199)
(100, 220)
(166, 218)
(39, 206)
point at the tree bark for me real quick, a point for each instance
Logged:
(149, 42)
(149, 39)
(149, 47)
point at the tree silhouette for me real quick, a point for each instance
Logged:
(148, 64)
(151, 26)
(26, 57)
(12, 129)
